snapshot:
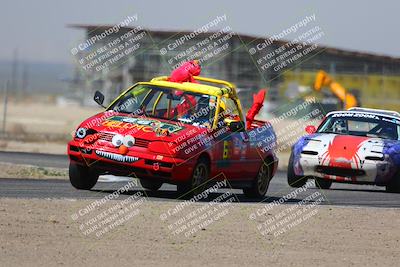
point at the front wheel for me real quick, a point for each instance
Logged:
(150, 185)
(195, 185)
(260, 185)
(81, 177)
(321, 183)
(293, 179)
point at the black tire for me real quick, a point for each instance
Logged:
(260, 184)
(293, 179)
(394, 185)
(81, 177)
(321, 183)
(195, 185)
(150, 185)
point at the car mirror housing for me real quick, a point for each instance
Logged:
(99, 98)
(310, 129)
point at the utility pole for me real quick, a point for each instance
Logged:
(5, 107)
(25, 77)
(14, 73)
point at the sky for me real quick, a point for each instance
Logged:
(38, 29)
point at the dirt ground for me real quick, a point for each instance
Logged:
(43, 233)
(8, 170)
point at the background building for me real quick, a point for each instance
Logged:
(374, 79)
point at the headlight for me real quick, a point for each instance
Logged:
(117, 140)
(129, 141)
(81, 133)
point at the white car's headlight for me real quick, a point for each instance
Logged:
(117, 140)
(81, 133)
(129, 141)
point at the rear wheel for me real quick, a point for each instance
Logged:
(150, 185)
(323, 183)
(81, 177)
(293, 179)
(260, 185)
(195, 185)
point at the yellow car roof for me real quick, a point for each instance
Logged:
(226, 89)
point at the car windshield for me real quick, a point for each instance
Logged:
(360, 124)
(168, 103)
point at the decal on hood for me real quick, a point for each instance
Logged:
(144, 124)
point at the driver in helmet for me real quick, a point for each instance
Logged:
(340, 126)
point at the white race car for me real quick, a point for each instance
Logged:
(360, 146)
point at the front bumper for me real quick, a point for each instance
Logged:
(138, 162)
(365, 171)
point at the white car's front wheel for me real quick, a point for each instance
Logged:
(321, 183)
(293, 179)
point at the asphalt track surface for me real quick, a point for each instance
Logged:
(339, 194)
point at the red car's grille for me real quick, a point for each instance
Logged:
(138, 141)
(106, 136)
(141, 142)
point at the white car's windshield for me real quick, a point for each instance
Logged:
(362, 125)
(168, 103)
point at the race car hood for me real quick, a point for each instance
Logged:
(148, 128)
(337, 144)
(343, 150)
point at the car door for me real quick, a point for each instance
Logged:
(232, 142)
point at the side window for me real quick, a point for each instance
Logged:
(228, 113)
(230, 108)
(150, 105)
(162, 106)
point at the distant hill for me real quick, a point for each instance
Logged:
(41, 77)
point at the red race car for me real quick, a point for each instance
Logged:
(186, 134)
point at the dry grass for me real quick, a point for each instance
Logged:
(8, 170)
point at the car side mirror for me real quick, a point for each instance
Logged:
(310, 129)
(237, 126)
(99, 98)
